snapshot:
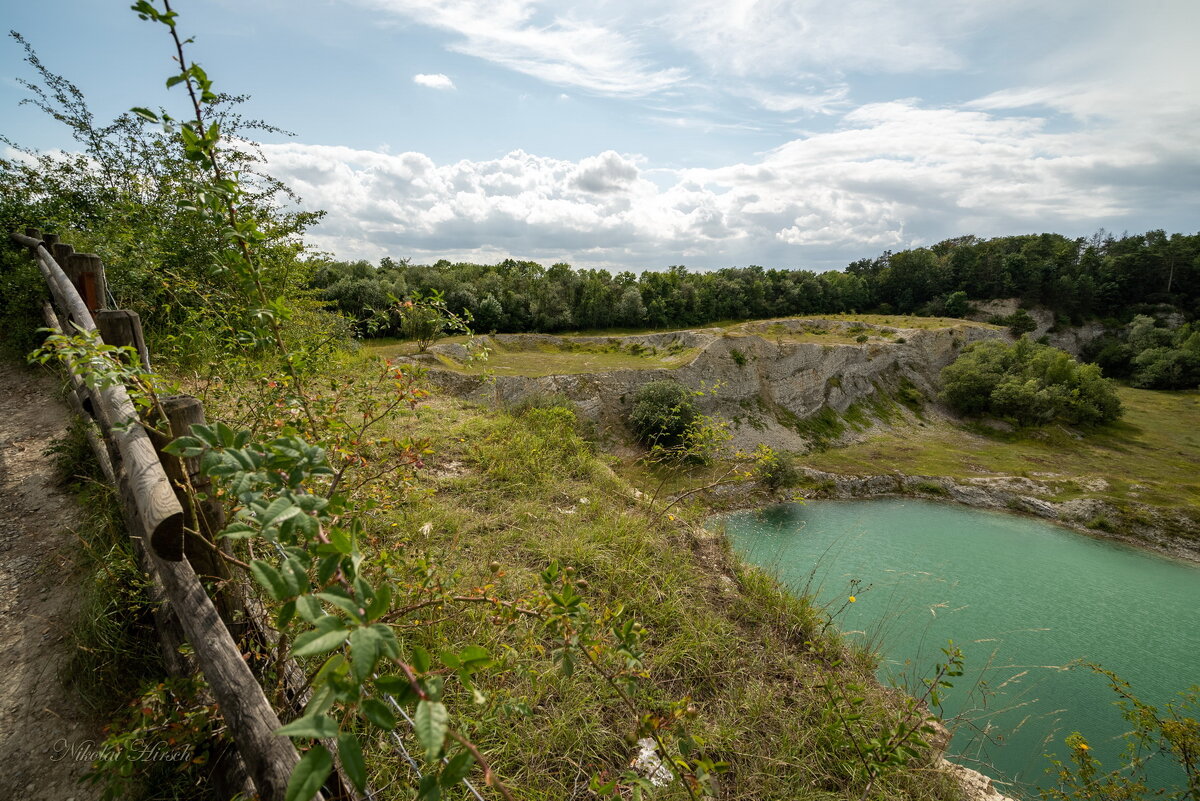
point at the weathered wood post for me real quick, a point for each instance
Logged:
(204, 516)
(123, 327)
(86, 272)
(62, 254)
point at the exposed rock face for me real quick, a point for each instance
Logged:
(976, 786)
(1072, 340)
(1155, 527)
(763, 379)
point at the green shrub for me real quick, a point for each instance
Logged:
(662, 413)
(21, 292)
(738, 357)
(777, 470)
(1029, 384)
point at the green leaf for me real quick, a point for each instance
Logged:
(309, 608)
(347, 605)
(318, 641)
(379, 713)
(473, 657)
(420, 659)
(381, 603)
(398, 687)
(366, 646)
(271, 579)
(295, 574)
(310, 726)
(430, 723)
(341, 540)
(279, 510)
(309, 774)
(350, 752)
(237, 531)
(429, 789)
(457, 769)
(286, 613)
(180, 446)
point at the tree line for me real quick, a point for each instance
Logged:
(1103, 276)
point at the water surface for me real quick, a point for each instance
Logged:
(1022, 598)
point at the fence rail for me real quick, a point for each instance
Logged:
(155, 518)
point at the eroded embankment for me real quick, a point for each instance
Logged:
(1140, 525)
(765, 379)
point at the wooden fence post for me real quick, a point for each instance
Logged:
(86, 272)
(123, 327)
(205, 518)
(62, 253)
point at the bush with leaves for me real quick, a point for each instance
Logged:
(1171, 735)
(775, 469)
(1028, 383)
(662, 413)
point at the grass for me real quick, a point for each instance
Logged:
(117, 664)
(567, 356)
(523, 488)
(563, 357)
(529, 490)
(1151, 456)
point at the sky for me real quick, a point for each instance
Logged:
(638, 134)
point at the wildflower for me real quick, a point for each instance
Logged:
(648, 763)
(852, 599)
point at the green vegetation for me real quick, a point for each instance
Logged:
(1172, 734)
(1078, 279)
(531, 611)
(1150, 456)
(1028, 383)
(1149, 354)
(535, 356)
(663, 413)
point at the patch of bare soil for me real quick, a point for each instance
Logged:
(46, 734)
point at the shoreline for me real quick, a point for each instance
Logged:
(1000, 494)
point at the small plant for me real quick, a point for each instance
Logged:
(738, 357)
(1172, 735)
(662, 413)
(425, 319)
(880, 746)
(776, 470)
(861, 338)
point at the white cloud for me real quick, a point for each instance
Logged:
(893, 174)
(434, 81)
(567, 49)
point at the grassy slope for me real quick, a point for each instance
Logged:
(750, 657)
(1151, 456)
(567, 358)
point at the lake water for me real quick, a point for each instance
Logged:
(1023, 600)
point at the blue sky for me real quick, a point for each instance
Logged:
(643, 133)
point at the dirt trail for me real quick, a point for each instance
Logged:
(44, 729)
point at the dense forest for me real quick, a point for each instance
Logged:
(1080, 279)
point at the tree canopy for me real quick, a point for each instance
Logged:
(1029, 384)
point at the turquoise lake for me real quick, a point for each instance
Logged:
(1023, 600)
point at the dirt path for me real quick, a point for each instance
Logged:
(44, 729)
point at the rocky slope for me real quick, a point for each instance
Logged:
(764, 378)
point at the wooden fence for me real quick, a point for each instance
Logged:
(169, 536)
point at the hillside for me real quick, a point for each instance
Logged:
(775, 382)
(857, 395)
